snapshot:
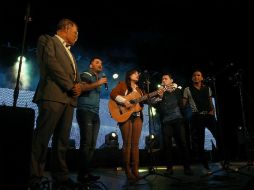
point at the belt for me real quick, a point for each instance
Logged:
(136, 114)
(201, 113)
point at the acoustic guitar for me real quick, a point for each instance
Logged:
(120, 113)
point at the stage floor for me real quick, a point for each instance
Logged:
(238, 175)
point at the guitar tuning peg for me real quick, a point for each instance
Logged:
(174, 85)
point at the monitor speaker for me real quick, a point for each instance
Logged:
(17, 125)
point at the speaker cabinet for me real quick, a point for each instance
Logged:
(16, 135)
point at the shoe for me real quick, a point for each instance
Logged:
(69, 183)
(34, 183)
(169, 171)
(130, 176)
(38, 183)
(87, 178)
(93, 177)
(188, 171)
(208, 172)
(206, 166)
(34, 186)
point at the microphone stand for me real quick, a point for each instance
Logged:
(16, 90)
(225, 163)
(248, 141)
(218, 123)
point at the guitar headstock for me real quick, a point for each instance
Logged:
(170, 87)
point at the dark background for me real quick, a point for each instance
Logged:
(157, 36)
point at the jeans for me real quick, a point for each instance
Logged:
(89, 125)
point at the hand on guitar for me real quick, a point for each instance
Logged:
(127, 104)
(164, 88)
(161, 91)
(171, 87)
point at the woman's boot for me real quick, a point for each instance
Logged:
(126, 163)
(135, 158)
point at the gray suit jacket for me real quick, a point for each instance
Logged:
(56, 72)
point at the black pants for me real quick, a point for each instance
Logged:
(176, 129)
(89, 125)
(198, 123)
(54, 118)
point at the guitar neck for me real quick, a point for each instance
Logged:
(145, 97)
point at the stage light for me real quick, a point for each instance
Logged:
(152, 142)
(113, 135)
(153, 111)
(151, 137)
(25, 75)
(115, 76)
(111, 140)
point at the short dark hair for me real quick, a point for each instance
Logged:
(93, 58)
(166, 73)
(63, 23)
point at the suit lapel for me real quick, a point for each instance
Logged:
(62, 48)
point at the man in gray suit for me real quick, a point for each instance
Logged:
(56, 97)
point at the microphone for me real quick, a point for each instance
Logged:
(105, 84)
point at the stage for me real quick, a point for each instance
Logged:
(234, 178)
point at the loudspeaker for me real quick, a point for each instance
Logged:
(16, 140)
(249, 185)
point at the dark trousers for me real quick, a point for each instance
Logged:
(54, 118)
(176, 129)
(89, 125)
(198, 123)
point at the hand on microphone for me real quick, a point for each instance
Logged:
(104, 81)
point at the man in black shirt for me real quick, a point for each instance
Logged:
(173, 125)
(199, 97)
